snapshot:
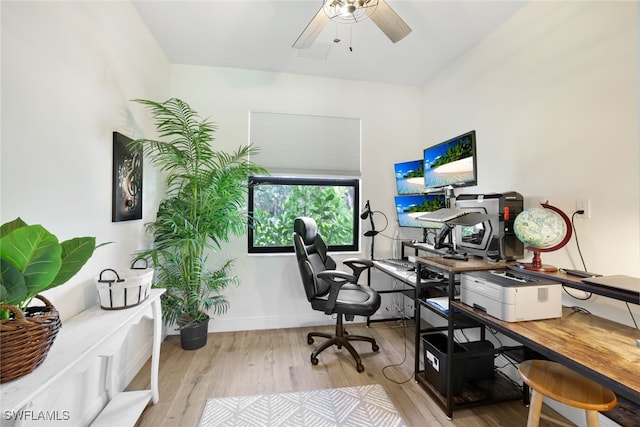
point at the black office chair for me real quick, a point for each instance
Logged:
(331, 290)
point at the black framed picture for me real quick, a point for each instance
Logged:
(127, 180)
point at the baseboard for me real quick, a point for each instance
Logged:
(273, 322)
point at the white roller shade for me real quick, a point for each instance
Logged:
(302, 144)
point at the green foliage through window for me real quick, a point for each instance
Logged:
(275, 202)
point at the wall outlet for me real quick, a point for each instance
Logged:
(584, 205)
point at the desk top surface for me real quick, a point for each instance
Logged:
(629, 295)
(599, 348)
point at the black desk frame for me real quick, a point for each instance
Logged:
(491, 391)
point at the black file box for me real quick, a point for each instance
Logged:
(436, 361)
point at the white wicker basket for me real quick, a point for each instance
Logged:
(125, 289)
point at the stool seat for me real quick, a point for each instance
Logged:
(564, 385)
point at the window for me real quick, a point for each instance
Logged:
(299, 146)
(274, 202)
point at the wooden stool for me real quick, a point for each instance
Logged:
(560, 383)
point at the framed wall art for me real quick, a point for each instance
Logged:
(127, 180)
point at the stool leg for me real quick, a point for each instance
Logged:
(535, 406)
(592, 419)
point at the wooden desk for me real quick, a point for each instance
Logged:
(598, 348)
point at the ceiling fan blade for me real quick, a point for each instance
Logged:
(390, 22)
(312, 30)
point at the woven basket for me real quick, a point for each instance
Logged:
(26, 337)
(125, 289)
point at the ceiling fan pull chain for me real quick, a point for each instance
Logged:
(350, 38)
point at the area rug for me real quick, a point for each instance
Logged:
(361, 406)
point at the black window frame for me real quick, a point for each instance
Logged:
(329, 181)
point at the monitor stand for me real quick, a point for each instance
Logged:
(455, 255)
(444, 240)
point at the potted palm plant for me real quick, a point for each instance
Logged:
(205, 205)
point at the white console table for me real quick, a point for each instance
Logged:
(93, 333)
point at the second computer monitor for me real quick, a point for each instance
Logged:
(410, 207)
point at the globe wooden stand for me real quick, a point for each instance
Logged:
(537, 265)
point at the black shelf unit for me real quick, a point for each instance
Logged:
(474, 392)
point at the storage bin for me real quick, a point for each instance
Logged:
(478, 367)
(124, 289)
(436, 361)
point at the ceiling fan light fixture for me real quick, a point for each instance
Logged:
(349, 11)
(385, 18)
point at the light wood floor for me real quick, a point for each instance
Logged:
(273, 361)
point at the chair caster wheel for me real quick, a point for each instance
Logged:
(309, 340)
(359, 367)
(314, 361)
(375, 347)
(339, 346)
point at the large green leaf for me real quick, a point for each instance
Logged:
(10, 226)
(36, 253)
(75, 253)
(15, 290)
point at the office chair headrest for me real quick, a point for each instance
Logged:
(307, 229)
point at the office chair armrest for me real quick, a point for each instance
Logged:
(336, 279)
(358, 265)
(337, 276)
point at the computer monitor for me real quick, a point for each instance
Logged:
(410, 177)
(451, 163)
(410, 207)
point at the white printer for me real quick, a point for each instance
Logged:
(511, 297)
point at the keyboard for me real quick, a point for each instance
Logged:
(400, 264)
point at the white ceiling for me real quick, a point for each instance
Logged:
(258, 34)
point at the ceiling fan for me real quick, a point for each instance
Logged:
(352, 11)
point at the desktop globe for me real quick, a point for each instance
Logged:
(539, 228)
(543, 229)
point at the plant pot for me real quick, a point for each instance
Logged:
(25, 338)
(194, 335)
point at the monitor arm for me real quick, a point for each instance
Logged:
(443, 238)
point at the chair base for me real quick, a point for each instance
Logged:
(340, 339)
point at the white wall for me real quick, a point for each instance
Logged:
(69, 70)
(270, 294)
